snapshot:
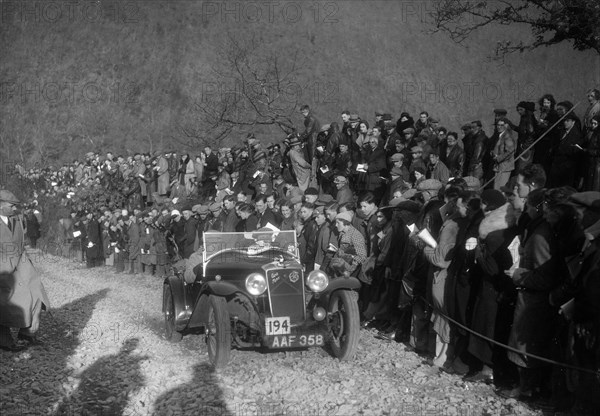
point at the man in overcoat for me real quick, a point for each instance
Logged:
(22, 294)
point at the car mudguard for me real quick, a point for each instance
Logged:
(340, 283)
(199, 315)
(182, 313)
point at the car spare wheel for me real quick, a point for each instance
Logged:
(218, 331)
(344, 322)
(171, 333)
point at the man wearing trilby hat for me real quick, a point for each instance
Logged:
(22, 295)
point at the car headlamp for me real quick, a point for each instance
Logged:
(317, 281)
(256, 284)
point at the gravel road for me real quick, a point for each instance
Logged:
(104, 353)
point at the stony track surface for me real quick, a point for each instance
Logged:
(104, 353)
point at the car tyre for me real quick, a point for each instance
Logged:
(218, 331)
(171, 332)
(345, 324)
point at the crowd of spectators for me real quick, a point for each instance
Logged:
(459, 240)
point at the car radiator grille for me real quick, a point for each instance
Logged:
(286, 291)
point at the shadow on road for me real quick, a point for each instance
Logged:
(32, 381)
(201, 396)
(107, 385)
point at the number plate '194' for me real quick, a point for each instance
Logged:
(277, 326)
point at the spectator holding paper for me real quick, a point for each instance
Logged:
(534, 318)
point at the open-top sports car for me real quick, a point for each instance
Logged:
(250, 291)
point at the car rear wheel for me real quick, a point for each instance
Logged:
(218, 331)
(344, 323)
(170, 331)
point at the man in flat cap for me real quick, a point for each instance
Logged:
(22, 294)
(217, 220)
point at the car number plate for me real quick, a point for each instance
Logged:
(295, 341)
(278, 326)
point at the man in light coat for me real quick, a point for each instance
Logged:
(22, 294)
(162, 170)
(301, 167)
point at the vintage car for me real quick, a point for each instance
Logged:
(250, 291)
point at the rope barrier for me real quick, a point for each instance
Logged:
(507, 347)
(534, 143)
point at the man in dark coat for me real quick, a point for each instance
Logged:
(211, 163)
(310, 233)
(94, 252)
(231, 218)
(133, 231)
(190, 231)
(312, 126)
(452, 155)
(22, 295)
(375, 166)
(476, 152)
(264, 214)
(566, 155)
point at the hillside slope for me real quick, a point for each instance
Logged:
(126, 75)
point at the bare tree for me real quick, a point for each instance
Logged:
(254, 86)
(551, 21)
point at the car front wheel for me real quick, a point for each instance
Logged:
(170, 331)
(344, 324)
(218, 332)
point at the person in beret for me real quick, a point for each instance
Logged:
(351, 250)
(22, 294)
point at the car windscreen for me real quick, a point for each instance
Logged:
(255, 242)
